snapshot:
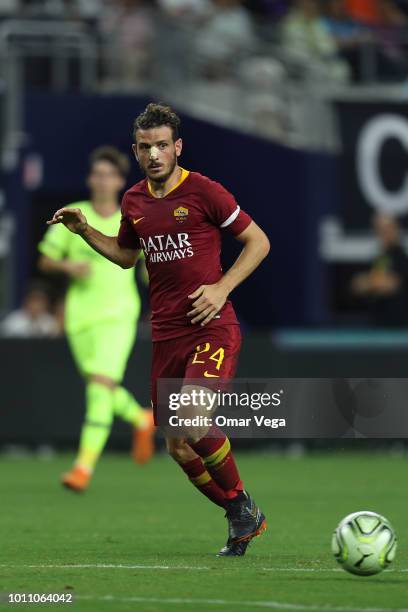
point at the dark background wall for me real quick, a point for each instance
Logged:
(43, 396)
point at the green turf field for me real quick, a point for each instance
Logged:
(144, 539)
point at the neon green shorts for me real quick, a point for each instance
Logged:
(104, 348)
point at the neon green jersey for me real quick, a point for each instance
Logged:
(108, 292)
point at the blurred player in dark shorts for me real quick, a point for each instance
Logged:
(177, 217)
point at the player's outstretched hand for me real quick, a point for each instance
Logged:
(208, 301)
(72, 218)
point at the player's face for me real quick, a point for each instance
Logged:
(157, 152)
(105, 180)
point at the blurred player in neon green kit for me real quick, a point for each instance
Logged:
(102, 309)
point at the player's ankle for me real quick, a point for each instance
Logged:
(87, 469)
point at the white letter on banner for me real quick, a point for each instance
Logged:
(371, 140)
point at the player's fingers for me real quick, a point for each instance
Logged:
(57, 217)
(209, 318)
(205, 313)
(61, 212)
(199, 305)
(196, 311)
(199, 316)
(197, 292)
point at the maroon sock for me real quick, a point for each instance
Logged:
(215, 450)
(201, 479)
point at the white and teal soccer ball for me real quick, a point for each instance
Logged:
(364, 543)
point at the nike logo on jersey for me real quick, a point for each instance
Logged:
(137, 220)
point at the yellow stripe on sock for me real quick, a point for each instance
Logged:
(213, 460)
(201, 480)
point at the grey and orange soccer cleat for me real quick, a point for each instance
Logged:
(245, 522)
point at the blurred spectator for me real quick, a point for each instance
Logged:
(185, 8)
(376, 12)
(350, 35)
(309, 46)
(33, 320)
(264, 81)
(73, 9)
(273, 9)
(225, 39)
(9, 7)
(384, 288)
(385, 57)
(392, 37)
(127, 29)
(177, 22)
(90, 9)
(347, 32)
(391, 14)
(365, 11)
(48, 8)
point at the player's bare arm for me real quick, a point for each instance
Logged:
(73, 269)
(108, 246)
(209, 299)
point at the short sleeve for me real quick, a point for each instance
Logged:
(127, 237)
(224, 211)
(56, 241)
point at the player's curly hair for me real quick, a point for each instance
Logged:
(112, 155)
(157, 115)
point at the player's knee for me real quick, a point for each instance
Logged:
(179, 450)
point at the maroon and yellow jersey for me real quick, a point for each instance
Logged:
(180, 235)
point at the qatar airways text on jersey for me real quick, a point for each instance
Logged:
(166, 247)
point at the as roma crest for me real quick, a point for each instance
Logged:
(180, 214)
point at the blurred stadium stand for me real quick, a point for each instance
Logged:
(311, 138)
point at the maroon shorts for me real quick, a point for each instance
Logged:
(205, 353)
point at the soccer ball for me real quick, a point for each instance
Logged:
(364, 543)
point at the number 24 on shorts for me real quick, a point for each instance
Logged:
(217, 356)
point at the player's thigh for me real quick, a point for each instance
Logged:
(113, 345)
(168, 361)
(81, 344)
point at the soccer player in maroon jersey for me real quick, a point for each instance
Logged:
(177, 217)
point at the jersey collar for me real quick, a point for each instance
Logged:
(184, 175)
